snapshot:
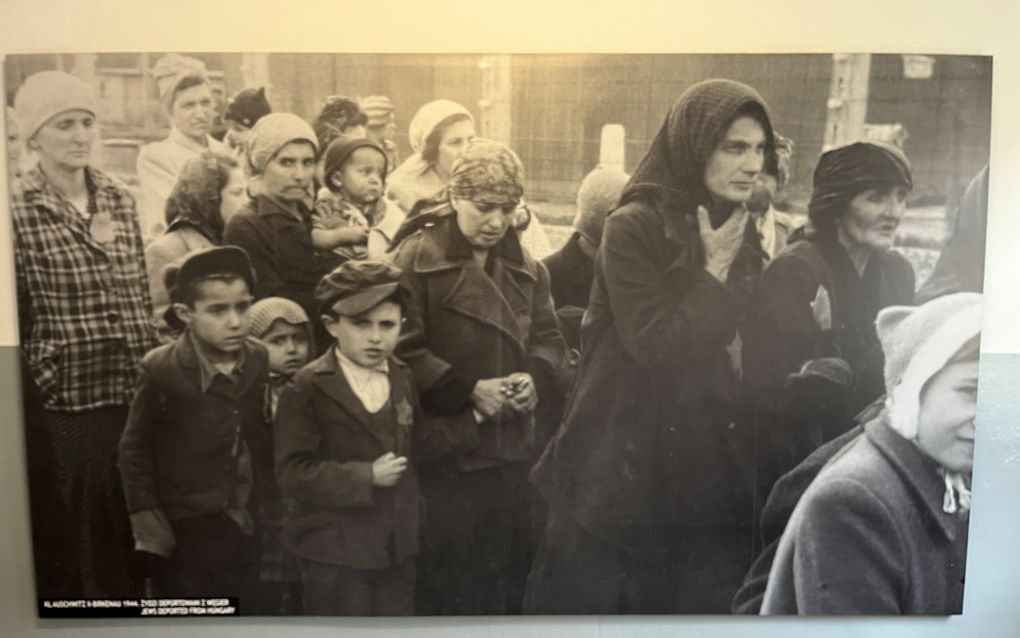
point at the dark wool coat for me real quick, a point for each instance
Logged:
(870, 537)
(479, 325)
(570, 273)
(649, 440)
(281, 252)
(325, 443)
(784, 334)
(178, 451)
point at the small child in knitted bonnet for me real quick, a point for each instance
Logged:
(931, 365)
(284, 328)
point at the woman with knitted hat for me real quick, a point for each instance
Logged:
(480, 334)
(274, 226)
(186, 95)
(208, 192)
(820, 297)
(883, 527)
(84, 317)
(439, 133)
(649, 505)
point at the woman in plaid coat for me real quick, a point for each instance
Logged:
(84, 320)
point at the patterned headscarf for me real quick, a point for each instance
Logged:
(197, 195)
(273, 132)
(488, 172)
(673, 170)
(844, 172)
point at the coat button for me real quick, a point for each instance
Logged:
(113, 317)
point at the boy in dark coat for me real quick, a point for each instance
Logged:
(346, 433)
(195, 453)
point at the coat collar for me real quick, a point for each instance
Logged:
(203, 372)
(495, 299)
(444, 247)
(266, 205)
(918, 472)
(331, 381)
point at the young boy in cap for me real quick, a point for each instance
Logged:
(195, 455)
(352, 218)
(347, 432)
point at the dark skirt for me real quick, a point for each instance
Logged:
(92, 511)
(478, 540)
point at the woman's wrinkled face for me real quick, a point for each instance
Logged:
(872, 217)
(452, 143)
(233, 194)
(289, 173)
(13, 144)
(733, 167)
(484, 225)
(945, 429)
(66, 139)
(193, 110)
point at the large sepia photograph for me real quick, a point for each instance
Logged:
(335, 334)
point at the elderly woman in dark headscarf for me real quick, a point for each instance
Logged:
(649, 506)
(819, 298)
(481, 335)
(207, 193)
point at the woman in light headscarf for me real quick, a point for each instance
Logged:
(13, 144)
(480, 335)
(883, 527)
(439, 132)
(84, 316)
(208, 192)
(649, 502)
(186, 95)
(274, 226)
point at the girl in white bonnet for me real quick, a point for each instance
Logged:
(883, 528)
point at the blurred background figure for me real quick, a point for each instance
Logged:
(339, 116)
(572, 267)
(774, 226)
(207, 194)
(244, 109)
(187, 97)
(382, 126)
(961, 264)
(439, 133)
(13, 145)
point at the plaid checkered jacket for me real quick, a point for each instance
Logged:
(83, 307)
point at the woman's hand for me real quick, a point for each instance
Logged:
(488, 397)
(520, 389)
(722, 244)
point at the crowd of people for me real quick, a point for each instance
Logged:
(300, 372)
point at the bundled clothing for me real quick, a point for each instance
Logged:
(649, 465)
(196, 462)
(85, 322)
(357, 543)
(468, 323)
(883, 527)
